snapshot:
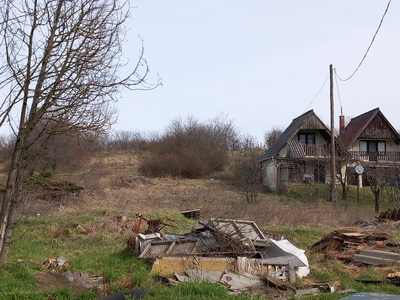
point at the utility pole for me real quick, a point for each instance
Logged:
(333, 152)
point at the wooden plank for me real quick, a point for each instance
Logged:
(191, 214)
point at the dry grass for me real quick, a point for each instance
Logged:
(113, 185)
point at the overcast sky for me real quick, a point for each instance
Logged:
(261, 63)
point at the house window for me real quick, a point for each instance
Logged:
(372, 146)
(307, 138)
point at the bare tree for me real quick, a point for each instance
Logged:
(6, 147)
(342, 174)
(378, 178)
(247, 171)
(126, 140)
(272, 136)
(60, 65)
(190, 148)
(56, 152)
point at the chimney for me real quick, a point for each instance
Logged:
(341, 121)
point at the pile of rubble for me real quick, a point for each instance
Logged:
(238, 255)
(234, 253)
(344, 243)
(366, 243)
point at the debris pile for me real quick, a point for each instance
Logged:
(234, 253)
(394, 278)
(392, 214)
(60, 262)
(359, 245)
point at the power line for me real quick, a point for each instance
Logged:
(369, 47)
(317, 94)
(337, 87)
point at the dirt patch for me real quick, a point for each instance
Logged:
(133, 181)
(47, 202)
(77, 282)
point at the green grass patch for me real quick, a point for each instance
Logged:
(301, 236)
(91, 246)
(361, 197)
(48, 180)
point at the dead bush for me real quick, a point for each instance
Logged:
(60, 152)
(189, 149)
(132, 181)
(174, 164)
(247, 175)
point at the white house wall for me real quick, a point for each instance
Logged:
(283, 152)
(269, 174)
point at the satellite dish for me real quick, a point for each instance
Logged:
(359, 169)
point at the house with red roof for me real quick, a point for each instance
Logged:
(303, 151)
(371, 140)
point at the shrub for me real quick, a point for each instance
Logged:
(190, 150)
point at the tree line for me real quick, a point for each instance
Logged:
(187, 148)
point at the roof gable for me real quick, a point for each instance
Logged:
(308, 120)
(370, 125)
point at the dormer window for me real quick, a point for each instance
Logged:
(307, 138)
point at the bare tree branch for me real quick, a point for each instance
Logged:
(61, 70)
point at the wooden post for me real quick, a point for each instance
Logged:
(333, 156)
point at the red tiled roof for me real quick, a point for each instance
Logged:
(358, 124)
(356, 127)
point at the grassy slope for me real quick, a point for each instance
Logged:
(85, 231)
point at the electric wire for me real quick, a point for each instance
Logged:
(337, 87)
(369, 47)
(317, 94)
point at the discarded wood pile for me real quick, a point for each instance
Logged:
(392, 214)
(344, 243)
(394, 278)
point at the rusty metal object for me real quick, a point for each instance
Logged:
(153, 226)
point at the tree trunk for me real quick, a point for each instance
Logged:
(377, 200)
(344, 191)
(5, 250)
(11, 200)
(347, 198)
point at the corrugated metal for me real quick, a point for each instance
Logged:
(239, 229)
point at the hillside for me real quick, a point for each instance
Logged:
(111, 183)
(85, 226)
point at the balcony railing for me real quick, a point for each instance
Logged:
(381, 156)
(316, 150)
